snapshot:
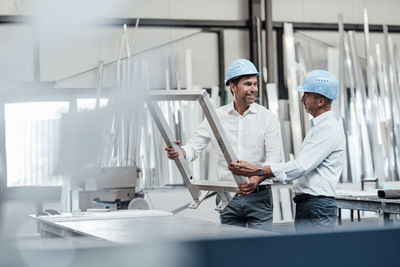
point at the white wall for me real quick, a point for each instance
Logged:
(180, 9)
(67, 47)
(16, 53)
(380, 12)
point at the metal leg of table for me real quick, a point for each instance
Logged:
(339, 216)
(386, 219)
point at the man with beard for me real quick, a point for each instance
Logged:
(316, 170)
(254, 133)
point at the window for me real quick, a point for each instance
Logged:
(31, 140)
(89, 103)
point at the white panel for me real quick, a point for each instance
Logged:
(16, 53)
(81, 49)
(236, 45)
(276, 212)
(381, 12)
(286, 204)
(78, 9)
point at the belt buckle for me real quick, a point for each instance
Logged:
(262, 187)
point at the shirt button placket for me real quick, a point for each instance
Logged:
(240, 137)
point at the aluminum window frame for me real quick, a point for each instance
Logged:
(223, 188)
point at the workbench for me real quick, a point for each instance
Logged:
(368, 202)
(131, 226)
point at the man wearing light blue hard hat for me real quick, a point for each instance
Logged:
(254, 133)
(316, 170)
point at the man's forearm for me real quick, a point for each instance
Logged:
(267, 172)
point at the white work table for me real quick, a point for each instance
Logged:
(130, 226)
(368, 201)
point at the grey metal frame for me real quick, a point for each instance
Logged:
(194, 186)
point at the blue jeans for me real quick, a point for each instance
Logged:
(253, 211)
(316, 214)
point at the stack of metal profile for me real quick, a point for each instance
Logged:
(368, 103)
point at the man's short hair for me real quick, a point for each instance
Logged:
(328, 101)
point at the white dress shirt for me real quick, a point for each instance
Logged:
(255, 137)
(320, 161)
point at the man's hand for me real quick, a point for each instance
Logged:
(172, 153)
(243, 168)
(246, 189)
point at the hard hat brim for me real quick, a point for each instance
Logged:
(229, 81)
(301, 89)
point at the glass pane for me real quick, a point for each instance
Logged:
(89, 103)
(31, 140)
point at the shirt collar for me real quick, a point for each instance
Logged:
(253, 108)
(321, 117)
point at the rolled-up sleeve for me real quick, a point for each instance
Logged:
(198, 142)
(315, 150)
(287, 172)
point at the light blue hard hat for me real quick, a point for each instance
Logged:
(321, 82)
(240, 67)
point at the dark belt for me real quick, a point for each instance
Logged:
(262, 188)
(301, 197)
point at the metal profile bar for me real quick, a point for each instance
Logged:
(253, 41)
(374, 125)
(225, 199)
(187, 23)
(255, 44)
(304, 26)
(393, 97)
(170, 141)
(219, 133)
(174, 95)
(221, 65)
(343, 95)
(294, 107)
(283, 91)
(362, 110)
(218, 186)
(368, 55)
(385, 106)
(144, 22)
(270, 43)
(262, 97)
